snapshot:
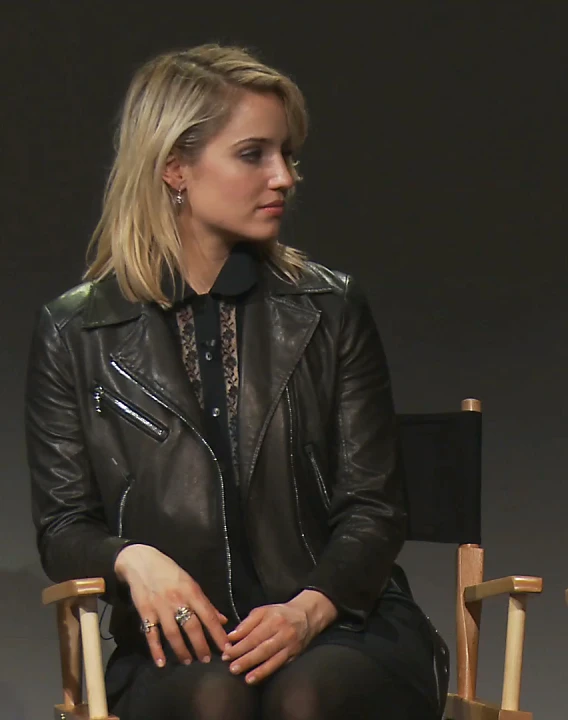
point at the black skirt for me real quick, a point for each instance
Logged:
(397, 635)
(402, 639)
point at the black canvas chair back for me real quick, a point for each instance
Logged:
(441, 458)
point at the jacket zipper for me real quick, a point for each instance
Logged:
(106, 398)
(296, 496)
(317, 472)
(127, 374)
(122, 504)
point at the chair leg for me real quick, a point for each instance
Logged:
(514, 652)
(468, 619)
(68, 630)
(79, 712)
(92, 658)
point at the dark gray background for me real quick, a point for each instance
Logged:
(435, 172)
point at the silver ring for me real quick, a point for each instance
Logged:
(146, 626)
(183, 614)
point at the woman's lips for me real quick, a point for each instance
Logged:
(275, 210)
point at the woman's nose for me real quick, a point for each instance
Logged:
(281, 177)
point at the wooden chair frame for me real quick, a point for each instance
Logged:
(77, 623)
(471, 591)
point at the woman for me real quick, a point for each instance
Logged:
(210, 427)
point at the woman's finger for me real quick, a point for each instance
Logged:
(194, 631)
(248, 624)
(209, 617)
(152, 634)
(172, 631)
(259, 653)
(262, 632)
(156, 649)
(270, 666)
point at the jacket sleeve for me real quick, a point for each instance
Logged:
(367, 517)
(72, 536)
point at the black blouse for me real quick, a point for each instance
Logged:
(208, 328)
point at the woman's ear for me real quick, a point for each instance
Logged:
(173, 172)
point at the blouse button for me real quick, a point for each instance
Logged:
(215, 412)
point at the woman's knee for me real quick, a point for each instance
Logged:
(221, 696)
(332, 683)
(207, 692)
(293, 698)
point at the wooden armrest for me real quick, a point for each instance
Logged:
(72, 589)
(517, 587)
(512, 585)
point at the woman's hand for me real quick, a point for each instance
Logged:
(273, 635)
(159, 587)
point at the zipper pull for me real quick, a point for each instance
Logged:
(98, 393)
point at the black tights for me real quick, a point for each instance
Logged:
(329, 682)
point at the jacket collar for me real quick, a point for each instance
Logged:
(239, 274)
(106, 305)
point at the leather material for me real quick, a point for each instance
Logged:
(117, 453)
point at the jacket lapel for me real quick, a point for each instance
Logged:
(149, 356)
(275, 334)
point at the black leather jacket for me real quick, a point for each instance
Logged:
(117, 452)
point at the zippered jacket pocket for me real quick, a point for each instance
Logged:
(105, 399)
(318, 475)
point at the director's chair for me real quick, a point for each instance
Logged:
(442, 462)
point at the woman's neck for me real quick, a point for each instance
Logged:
(203, 260)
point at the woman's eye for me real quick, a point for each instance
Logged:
(252, 156)
(290, 158)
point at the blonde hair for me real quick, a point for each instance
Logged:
(178, 101)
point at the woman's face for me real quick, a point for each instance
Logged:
(237, 188)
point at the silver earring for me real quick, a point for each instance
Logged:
(178, 197)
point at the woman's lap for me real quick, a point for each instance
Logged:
(324, 683)
(332, 682)
(400, 639)
(186, 692)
